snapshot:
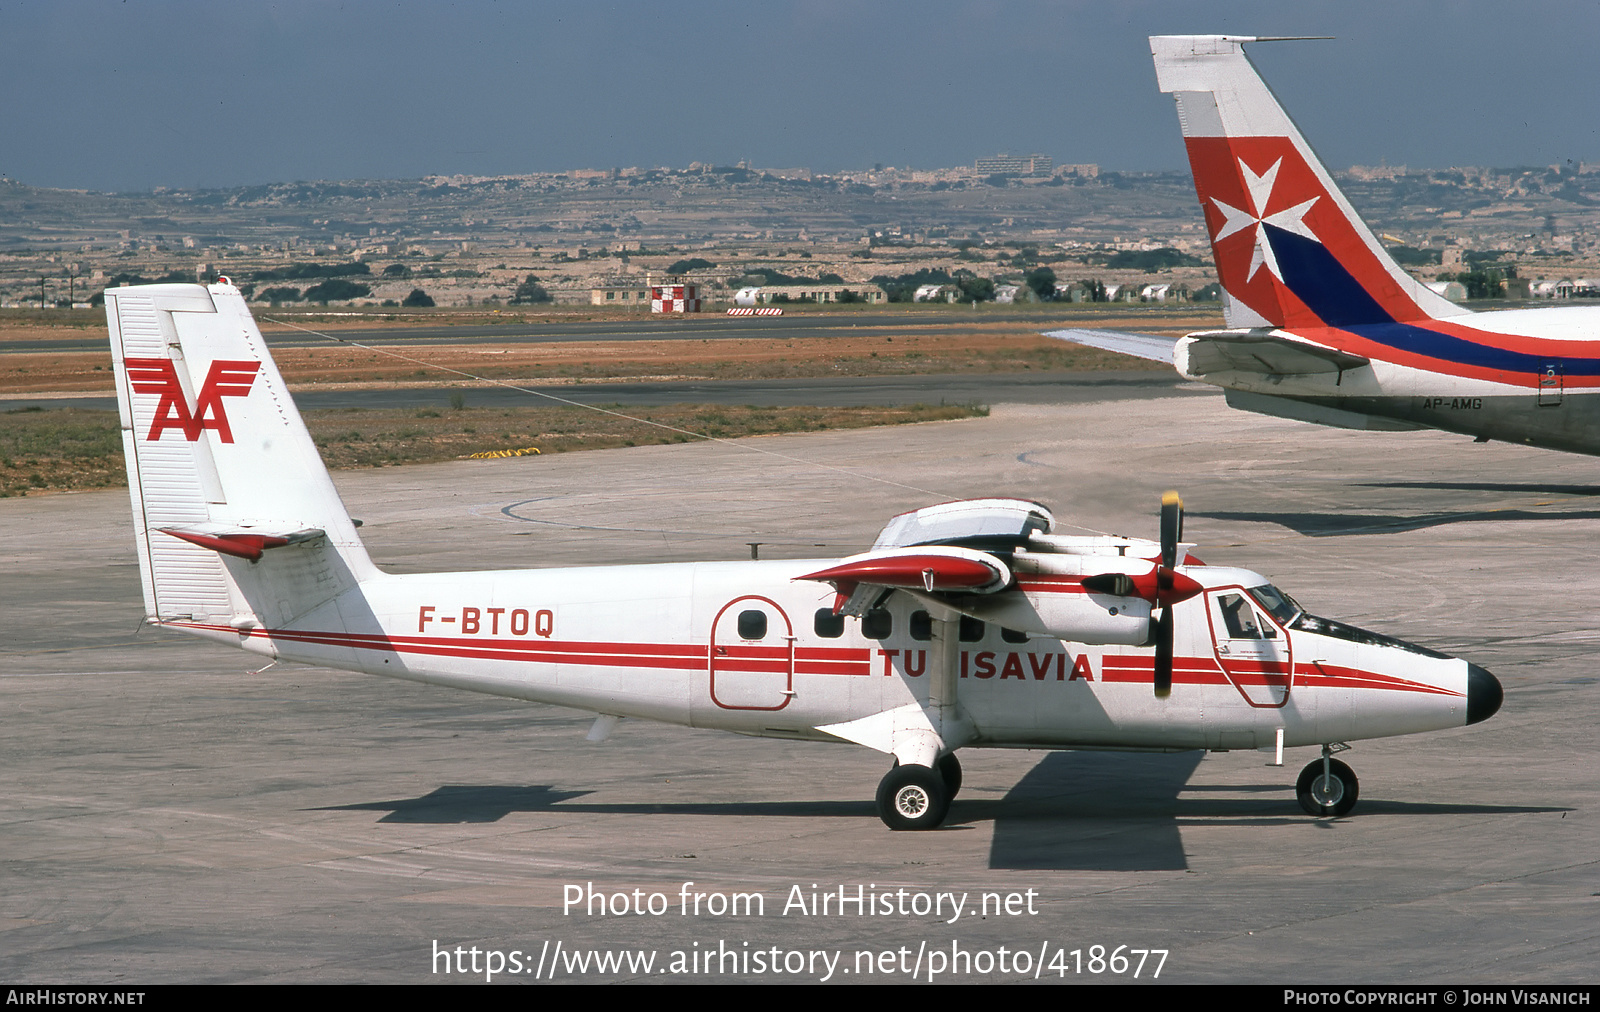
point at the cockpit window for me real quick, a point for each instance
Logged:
(1280, 605)
(1239, 617)
(1288, 611)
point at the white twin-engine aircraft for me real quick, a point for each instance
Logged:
(1323, 325)
(969, 624)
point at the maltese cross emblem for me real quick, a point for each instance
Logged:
(1237, 220)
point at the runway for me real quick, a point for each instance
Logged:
(824, 391)
(713, 326)
(171, 816)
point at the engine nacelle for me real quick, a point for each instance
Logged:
(1076, 615)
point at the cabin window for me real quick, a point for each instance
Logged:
(971, 629)
(828, 625)
(752, 624)
(877, 624)
(1013, 636)
(921, 626)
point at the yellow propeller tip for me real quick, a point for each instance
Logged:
(1171, 499)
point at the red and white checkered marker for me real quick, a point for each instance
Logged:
(675, 298)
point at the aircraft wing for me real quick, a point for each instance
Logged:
(1258, 352)
(1150, 346)
(862, 580)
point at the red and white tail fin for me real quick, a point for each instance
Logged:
(1290, 250)
(236, 519)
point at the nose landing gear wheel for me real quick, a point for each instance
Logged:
(1327, 793)
(912, 797)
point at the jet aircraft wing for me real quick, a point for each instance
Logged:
(1151, 346)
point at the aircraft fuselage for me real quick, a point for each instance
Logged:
(745, 647)
(1484, 375)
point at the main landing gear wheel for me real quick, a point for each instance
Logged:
(949, 768)
(912, 797)
(1333, 793)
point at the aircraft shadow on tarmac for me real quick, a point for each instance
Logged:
(1527, 488)
(1091, 811)
(1333, 525)
(1074, 811)
(1324, 525)
(461, 803)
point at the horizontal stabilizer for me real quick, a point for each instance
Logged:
(1259, 352)
(241, 543)
(1148, 346)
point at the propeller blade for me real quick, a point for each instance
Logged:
(1171, 528)
(1168, 591)
(1163, 682)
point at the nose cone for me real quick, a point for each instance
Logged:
(1484, 694)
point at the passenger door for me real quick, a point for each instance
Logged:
(751, 663)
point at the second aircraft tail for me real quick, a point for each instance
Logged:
(1290, 250)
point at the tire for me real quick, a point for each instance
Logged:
(912, 798)
(1335, 798)
(949, 769)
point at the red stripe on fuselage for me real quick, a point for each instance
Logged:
(1117, 668)
(1542, 348)
(669, 656)
(1134, 668)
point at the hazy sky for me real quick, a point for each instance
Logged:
(130, 95)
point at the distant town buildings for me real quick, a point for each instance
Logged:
(1455, 291)
(1031, 165)
(811, 291)
(1367, 173)
(620, 295)
(604, 237)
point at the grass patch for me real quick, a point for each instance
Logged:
(59, 450)
(71, 450)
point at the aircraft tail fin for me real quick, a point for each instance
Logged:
(1290, 250)
(236, 519)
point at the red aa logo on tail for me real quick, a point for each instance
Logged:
(226, 379)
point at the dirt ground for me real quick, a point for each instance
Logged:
(70, 449)
(61, 450)
(1012, 345)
